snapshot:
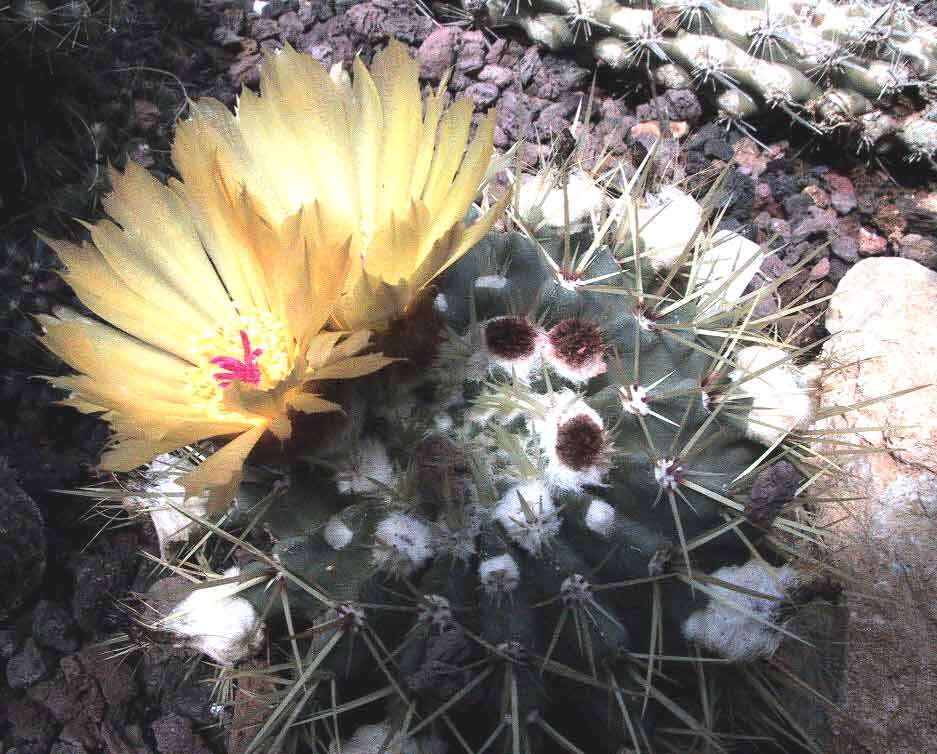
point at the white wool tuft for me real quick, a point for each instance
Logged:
(382, 738)
(577, 375)
(784, 398)
(600, 517)
(371, 470)
(666, 226)
(337, 534)
(161, 493)
(499, 574)
(217, 622)
(441, 303)
(495, 282)
(402, 542)
(634, 400)
(533, 527)
(563, 406)
(727, 254)
(540, 199)
(725, 630)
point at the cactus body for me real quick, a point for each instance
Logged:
(532, 539)
(833, 67)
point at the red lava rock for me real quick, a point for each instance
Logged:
(919, 249)
(819, 221)
(750, 158)
(75, 700)
(404, 22)
(819, 196)
(323, 52)
(780, 228)
(641, 131)
(226, 38)
(888, 219)
(365, 19)
(842, 192)
(437, 53)
(232, 19)
(556, 117)
(145, 114)
(497, 75)
(291, 27)
(529, 65)
(843, 202)
(846, 248)
(838, 183)
(820, 270)
(483, 94)
(174, 735)
(871, 244)
(245, 71)
(264, 28)
(30, 721)
(470, 57)
(496, 50)
(67, 747)
(115, 678)
(513, 118)
(763, 193)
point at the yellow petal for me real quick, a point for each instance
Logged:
(367, 124)
(474, 233)
(100, 289)
(450, 147)
(309, 403)
(425, 150)
(356, 366)
(163, 236)
(128, 455)
(320, 348)
(107, 354)
(395, 248)
(220, 474)
(355, 342)
(459, 197)
(396, 76)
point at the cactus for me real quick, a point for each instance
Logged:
(853, 69)
(543, 516)
(560, 478)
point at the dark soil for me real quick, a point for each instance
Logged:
(110, 89)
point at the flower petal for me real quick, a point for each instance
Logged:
(356, 366)
(220, 474)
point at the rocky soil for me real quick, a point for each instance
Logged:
(115, 95)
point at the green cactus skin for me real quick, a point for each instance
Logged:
(835, 68)
(509, 540)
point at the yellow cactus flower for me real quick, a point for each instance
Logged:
(196, 338)
(391, 175)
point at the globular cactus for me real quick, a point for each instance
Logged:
(866, 71)
(521, 488)
(543, 531)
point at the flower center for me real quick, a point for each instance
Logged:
(240, 371)
(253, 349)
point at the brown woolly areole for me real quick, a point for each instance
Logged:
(580, 442)
(511, 338)
(577, 342)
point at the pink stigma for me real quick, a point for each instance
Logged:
(239, 371)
